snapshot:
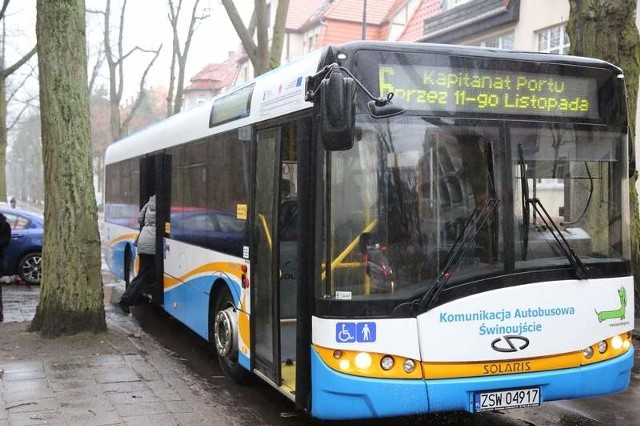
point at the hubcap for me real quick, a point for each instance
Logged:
(226, 333)
(31, 269)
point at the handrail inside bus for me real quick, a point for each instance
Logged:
(265, 229)
(334, 264)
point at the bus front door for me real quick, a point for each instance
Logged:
(155, 178)
(264, 290)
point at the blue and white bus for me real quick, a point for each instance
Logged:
(383, 229)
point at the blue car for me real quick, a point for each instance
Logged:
(23, 257)
(212, 229)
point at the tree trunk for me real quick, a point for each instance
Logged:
(607, 30)
(71, 292)
(277, 43)
(262, 37)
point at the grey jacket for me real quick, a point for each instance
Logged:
(147, 219)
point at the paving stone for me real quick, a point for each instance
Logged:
(152, 420)
(54, 417)
(140, 408)
(126, 397)
(26, 390)
(117, 375)
(93, 411)
(23, 375)
(21, 366)
(107, 360)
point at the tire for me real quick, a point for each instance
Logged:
(223, 336)
(30, 268)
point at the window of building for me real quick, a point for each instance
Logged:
(553, 40)
(450, 4)
(503, 41)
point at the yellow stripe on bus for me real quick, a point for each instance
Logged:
(345, 362)
(233, 269)
(433, 370)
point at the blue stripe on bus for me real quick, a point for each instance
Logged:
(244, 361)
(340, 396)
(191, 301)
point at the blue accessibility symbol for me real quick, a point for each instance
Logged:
(346, 332)
(351, 332)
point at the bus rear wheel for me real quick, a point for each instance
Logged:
(223, 336)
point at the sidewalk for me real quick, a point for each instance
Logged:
(120, 377)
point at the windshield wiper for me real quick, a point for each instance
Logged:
(526, 212)
(580, 270)
(476, 220)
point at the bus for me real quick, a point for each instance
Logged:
(382, 229)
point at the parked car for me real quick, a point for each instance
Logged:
(212, 229)
(23, 257)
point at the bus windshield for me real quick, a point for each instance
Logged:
(405, 197)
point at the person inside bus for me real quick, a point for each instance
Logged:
(146, 252)
(285, 189)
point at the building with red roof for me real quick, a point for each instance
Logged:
(312, 24)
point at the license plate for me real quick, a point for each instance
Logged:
(514, 398)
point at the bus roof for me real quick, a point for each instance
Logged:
(274, 93)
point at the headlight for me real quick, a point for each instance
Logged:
(344, 364)
(387, 362)
(602, 347)
(587, 352)
(616, 342)
(363, 360)
(409, 365)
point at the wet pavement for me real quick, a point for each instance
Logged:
(119, 377)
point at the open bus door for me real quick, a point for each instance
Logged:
(265, 294)
(274, 269)
(155, 178)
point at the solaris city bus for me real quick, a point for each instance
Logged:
(382, 229)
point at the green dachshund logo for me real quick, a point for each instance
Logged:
(616, 313)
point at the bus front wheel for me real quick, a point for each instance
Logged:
(223, 336)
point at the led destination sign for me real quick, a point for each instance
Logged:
(489, 91)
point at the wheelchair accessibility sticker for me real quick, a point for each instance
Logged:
(351, 332)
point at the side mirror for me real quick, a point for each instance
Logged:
(378, 109)
(337, 111)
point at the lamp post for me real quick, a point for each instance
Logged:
(364, 20)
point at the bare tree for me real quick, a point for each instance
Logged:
(180, 53)
(262, 57)
(96, 68)
(4, 75)
(71, 293)
(115, 58)
(24, 161)
(607, 30)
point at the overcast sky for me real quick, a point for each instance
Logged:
(147, 26)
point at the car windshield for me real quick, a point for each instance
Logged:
(419, 201)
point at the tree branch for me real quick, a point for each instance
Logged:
(246, 38)
(138, 101)
(10, 70)
(5, 3)
(96, 69)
